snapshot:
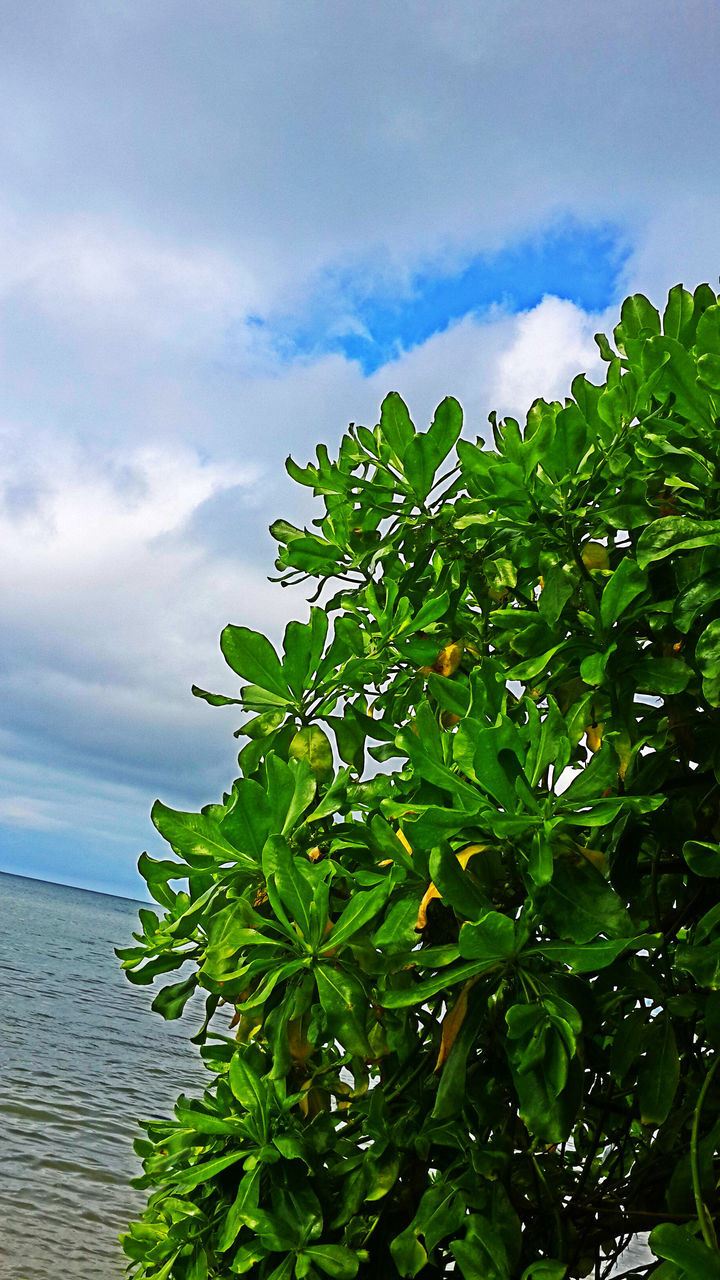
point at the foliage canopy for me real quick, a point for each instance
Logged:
(476, 984)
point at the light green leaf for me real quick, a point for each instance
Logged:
(420, 991)
(252, 656)
(675, 533)
(492, 938)
(313, 745)
(425, 452)
(248, 821)
(247, 1087)
(395, 424)
(408, 1254)
(361, 909)
(198, 838)
(334, 1259)
(703, 859)
(677, 1245)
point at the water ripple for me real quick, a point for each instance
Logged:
(83, 1059)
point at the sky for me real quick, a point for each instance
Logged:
(227, 229)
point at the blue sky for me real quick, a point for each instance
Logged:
(227, 231)
(374, 319)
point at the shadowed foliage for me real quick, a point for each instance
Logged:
(475, 977)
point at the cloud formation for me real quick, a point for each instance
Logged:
(168, 176)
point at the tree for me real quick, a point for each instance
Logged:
(476, 984)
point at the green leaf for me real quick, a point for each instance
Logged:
(420, 991)
(455, 885)
(662, 675)
(253, 658)
(638, 318)
(198, 838)
(171, 1001)
(482, 1254)
(492, 938)
(395, 424)
(579, 904)
(707, 650)
(302, 647)
(345, 1005)
(313, 745)
(248, 821)
(660, 1072)
(695, 600)
(247, 1087)
(425, 452)
(623, 586)
(677, 1245)
(435, 607)
(545, 1269)
(334, 1259)
(295, 891)
(408, 1254)
(361, 909)
(593, 956)
(703, 859)
(678, 312)
(240, 1214)
(215, 699)
(675, 533)
(205, 1171)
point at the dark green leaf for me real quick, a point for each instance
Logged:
(171, 1001)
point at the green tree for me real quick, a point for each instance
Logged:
(476, 983)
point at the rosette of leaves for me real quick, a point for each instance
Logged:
(462, 902)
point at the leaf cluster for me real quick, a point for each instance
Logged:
(462, 902)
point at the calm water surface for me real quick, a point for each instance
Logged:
(82, 1059)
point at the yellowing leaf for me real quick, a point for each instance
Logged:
(594, 735)
(448, 659)
(597, 858)
(463, 858)
(595, 556)
(404, 841)
(431, 893)
(300, 1047)
(452, 1023)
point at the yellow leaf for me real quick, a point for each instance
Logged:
(463, 858)
(452, 1023)
(595, 556)
(594, 735)
(431, 893)
(448, 659)
(404, 842)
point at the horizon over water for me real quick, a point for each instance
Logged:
(83, 1058)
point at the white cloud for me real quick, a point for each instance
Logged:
(551, 344)
(152, 202)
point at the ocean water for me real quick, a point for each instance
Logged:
(81, 1059)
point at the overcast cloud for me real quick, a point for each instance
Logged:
(207, 211)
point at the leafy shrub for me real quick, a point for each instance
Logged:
(476, 984)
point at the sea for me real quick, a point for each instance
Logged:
(82, 1059)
